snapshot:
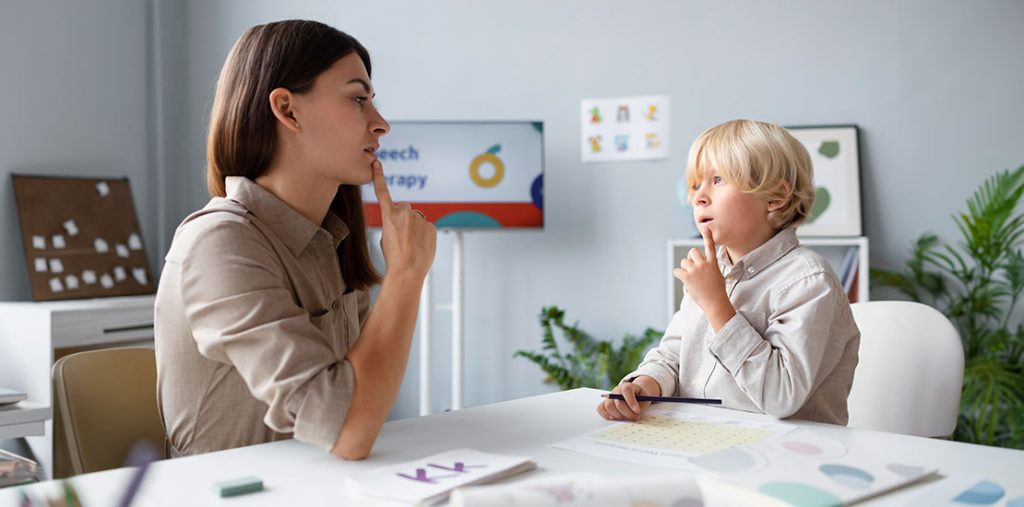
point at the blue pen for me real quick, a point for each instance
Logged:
(666, 399)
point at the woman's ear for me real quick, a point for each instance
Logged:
(785, 194)
(282, 103)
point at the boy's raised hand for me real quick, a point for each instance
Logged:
(704, 282)
(408, 241)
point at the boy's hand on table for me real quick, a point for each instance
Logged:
(704, 282)
(630, 408)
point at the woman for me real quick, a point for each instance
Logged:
(263, 329)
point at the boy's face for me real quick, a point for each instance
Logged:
(737, 220)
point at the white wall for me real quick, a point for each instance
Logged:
(73, 84)
(934, 86)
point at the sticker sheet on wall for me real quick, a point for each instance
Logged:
(81, 237)
(625, 128)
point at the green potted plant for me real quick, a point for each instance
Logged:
(590, 362)
(978, 284)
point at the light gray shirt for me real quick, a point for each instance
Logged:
(790, 350)
(253, 323)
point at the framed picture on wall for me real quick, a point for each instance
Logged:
(835, 153)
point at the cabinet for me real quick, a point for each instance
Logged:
(848, 256)
(33, 335)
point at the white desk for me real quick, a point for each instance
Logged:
(23, 419)
(299, 474)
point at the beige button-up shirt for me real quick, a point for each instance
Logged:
(253, 323)
(790, 350)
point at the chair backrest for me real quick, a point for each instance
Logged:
(107, 403)
(911, 370)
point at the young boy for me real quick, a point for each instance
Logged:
(764, 323)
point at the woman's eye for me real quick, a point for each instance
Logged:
(361, 100)
(696, 187)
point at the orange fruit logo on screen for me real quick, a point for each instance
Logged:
(486, 169)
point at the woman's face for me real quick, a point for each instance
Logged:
(339, 126)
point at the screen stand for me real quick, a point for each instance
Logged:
(426, 308)
(457, 303)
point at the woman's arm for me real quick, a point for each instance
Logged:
(382, 351)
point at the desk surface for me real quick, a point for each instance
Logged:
(23, 419)
(297, 474)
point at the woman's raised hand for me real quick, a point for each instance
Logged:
(408, 241)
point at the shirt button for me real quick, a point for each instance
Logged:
(751, 270)
(335, 305)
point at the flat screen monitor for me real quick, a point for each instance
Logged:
(464, 175)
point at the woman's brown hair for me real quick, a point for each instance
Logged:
(243, 135)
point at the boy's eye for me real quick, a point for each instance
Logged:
(696, 187)
(718, 179)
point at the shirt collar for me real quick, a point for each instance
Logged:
(295, 230)
(762, 256)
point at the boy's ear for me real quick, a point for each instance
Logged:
(785, 195)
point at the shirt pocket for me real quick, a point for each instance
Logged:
(326, 321)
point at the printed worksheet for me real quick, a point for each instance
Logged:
(669, 437)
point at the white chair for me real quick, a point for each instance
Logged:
(911, 370)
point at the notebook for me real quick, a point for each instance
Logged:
(8, 396)
(429, 480)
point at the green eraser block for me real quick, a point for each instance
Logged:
(241, 486)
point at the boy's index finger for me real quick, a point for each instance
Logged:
(709, 246)
(380, 188)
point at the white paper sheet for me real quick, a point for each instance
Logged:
(585, 490)
(430, 479)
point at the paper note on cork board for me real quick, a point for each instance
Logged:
(74, 223)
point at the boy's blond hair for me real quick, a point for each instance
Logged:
(762, 159)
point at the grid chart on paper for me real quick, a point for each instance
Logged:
(673, 434)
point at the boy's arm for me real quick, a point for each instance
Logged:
(662, 362)
(805, 333)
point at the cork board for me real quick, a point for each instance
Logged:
(81, 237)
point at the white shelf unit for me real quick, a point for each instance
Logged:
(34, 334)
(833, 249)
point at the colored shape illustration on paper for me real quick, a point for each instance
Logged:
(822, 199)
(800, 495)
(829, 149)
